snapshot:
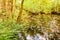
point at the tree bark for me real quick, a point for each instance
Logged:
(2, 6)
(14, 7)
(20, 13)
(9, 7)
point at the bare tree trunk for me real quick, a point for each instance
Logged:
(9, 7)
(20, 13)
(2, 6)
(14, 6)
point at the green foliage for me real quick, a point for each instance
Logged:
(9, 28)
(8, 31)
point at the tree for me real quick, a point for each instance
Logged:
(20, 13)
(9, 7)
(2, 6)
(14, 7)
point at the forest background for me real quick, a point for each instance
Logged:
(17, 15)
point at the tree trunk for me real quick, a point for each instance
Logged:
(9, 7)
(2, 6)
(20, 13)
(14, 7)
